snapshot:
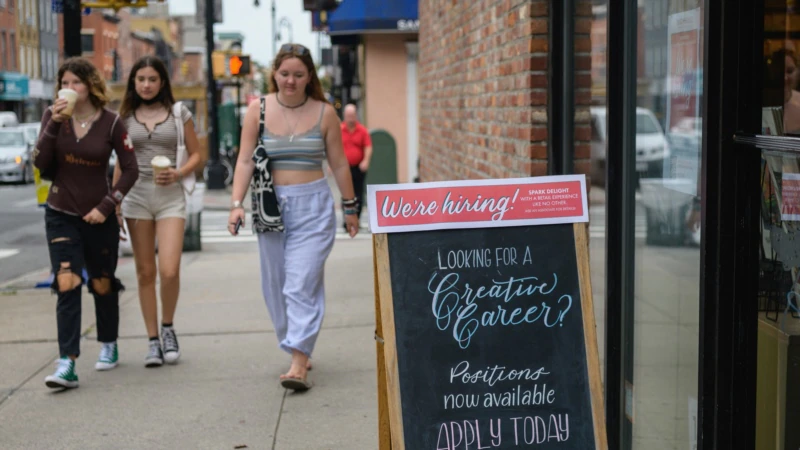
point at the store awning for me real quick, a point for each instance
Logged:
(13, 86)
(371, 16)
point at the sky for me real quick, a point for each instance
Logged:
(255, 23)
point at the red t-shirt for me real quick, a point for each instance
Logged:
(355, 142)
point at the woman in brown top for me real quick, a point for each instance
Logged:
(156, 207)
(82, 230)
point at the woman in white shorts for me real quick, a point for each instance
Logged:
(156, 206)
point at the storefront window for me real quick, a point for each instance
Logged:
(779, 274)
(597, 175)
(662, 398)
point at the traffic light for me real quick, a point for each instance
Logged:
(218, 65)
(239, 65)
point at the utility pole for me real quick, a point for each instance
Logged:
(72, 28)
(216, 173)
(274, 41)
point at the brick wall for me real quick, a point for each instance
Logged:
(583, 86)
(483, 72)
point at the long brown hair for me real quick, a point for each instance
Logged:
(89, 75)
(131, 101)
(288, 51)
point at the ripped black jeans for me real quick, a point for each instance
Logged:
(75, 245)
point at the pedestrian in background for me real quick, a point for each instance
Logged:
(285, 139)
(155, 209)
(82, 230)
(358, 149)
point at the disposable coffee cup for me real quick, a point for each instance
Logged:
(160, 164)
(71, 97)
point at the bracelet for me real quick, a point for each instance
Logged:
(350, 211)
(349, 202)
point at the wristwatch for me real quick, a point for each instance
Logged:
(236, 204)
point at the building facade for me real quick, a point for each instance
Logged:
(48, 57)
(685, 116)
(13, 84)
(375, 51)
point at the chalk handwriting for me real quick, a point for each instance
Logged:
(455, 306)
(492, 375)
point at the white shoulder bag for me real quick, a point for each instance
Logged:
(182, 156)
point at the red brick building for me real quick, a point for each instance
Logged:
(8, 39)
(483, 83)
(99, 37)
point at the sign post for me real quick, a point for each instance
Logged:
(486, 331)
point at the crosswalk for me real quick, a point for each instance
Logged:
(214, 230)
(8, 252)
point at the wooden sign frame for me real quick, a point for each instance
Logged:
(390, 410)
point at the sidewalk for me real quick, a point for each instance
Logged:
(224, 393)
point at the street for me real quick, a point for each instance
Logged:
(23, 247)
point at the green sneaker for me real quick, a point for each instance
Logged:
(65, 376)
(108, 357)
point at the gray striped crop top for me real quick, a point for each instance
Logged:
(303, 151)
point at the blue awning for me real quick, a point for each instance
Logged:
(374, 16)
(13, 86)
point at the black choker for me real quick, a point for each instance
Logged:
(291, 107)
(151, 101)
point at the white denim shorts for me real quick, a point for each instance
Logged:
(148, 201)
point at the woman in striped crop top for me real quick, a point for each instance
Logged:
(301, 130)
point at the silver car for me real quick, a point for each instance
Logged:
(16, 164)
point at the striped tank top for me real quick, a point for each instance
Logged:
(303, 151)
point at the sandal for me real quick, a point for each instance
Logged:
(296, 384)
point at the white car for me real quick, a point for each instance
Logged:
(16, 163)
(652, 148)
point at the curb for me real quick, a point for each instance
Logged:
(26, 281)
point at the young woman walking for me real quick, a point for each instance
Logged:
(285, 138)
(82, 231)
(156, 206)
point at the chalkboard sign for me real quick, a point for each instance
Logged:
(488, 331)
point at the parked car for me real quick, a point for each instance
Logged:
(31, 132)
(652, 148)
(16, 163)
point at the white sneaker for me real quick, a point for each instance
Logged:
(64, 377)
(109, 357)
(155, 357)
(171, 350)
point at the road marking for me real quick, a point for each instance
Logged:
(7, 253)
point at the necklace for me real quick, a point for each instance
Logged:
(283, 112)
(85, 120)
(291, 107)
(291, 138)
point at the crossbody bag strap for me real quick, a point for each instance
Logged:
(261, 117)
(176, 113)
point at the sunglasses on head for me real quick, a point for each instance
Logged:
(297, 49)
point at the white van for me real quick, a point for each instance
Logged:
(8, 119)
(652, 148)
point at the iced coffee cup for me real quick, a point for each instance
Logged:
(160, 164)
(71, 97)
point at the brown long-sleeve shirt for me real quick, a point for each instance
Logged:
(79, 167)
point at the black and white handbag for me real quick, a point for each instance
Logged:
(266, 208)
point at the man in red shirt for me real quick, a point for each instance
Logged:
(358, 149)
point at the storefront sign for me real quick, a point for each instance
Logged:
(790, 194)
(472, 204)
(486, 315)
(13, 86)
(408, 25)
